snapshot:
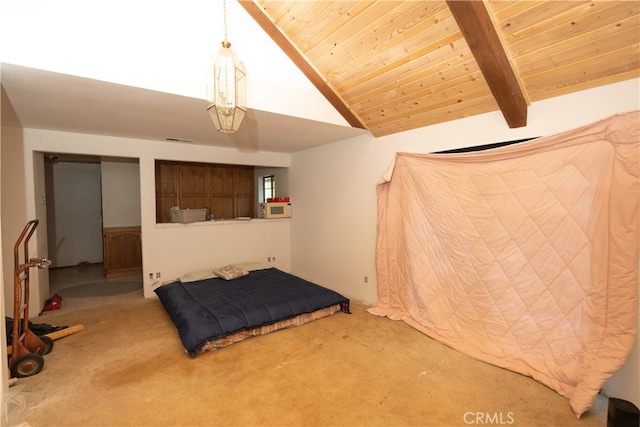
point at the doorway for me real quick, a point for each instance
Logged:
(74, 211)
(87, 196)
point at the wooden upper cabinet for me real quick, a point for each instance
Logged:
(226, 191)
(193, 185)
(245, 192)
(166, 189)
(222, 191)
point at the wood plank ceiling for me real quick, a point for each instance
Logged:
(390, 66)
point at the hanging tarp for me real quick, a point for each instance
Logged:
(523, 256)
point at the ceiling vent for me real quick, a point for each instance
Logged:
(178, 139)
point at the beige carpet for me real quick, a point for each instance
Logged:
(128, 368)
(100, 289)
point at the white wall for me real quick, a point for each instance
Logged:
(180, 248)
(120, 193)
(334, 188)
(76, 234)
(14, 205)
(17, 209)
(165, 249)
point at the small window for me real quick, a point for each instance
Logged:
(268, 187)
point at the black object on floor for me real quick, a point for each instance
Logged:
(37, 328)
(622, 413)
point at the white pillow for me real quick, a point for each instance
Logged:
(229, 272)
(194, 276)
(252, 265)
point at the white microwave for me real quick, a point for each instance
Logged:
(275, 210)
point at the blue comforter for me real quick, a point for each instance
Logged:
(215, 308)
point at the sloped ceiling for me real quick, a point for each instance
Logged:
(391, 66)
(41, 99)
(386, 66)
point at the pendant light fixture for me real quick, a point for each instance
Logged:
(226, 87)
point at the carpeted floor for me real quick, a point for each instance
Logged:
(97, 290)
(84, 286)
(128, 368)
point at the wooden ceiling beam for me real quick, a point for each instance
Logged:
(258, 14)
(482, 37)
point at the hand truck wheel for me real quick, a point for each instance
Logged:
(48, 345)
(27, 365)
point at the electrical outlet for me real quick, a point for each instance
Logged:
(366, 279)
(150, 276)
(158, 275)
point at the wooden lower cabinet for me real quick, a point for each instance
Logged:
(122, 251)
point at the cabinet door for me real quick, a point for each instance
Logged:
(227, 191)
(122, 251)
(166, 189)
(193, 185)
(245, 191)
(222, 191)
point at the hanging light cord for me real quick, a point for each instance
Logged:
(225, 42)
